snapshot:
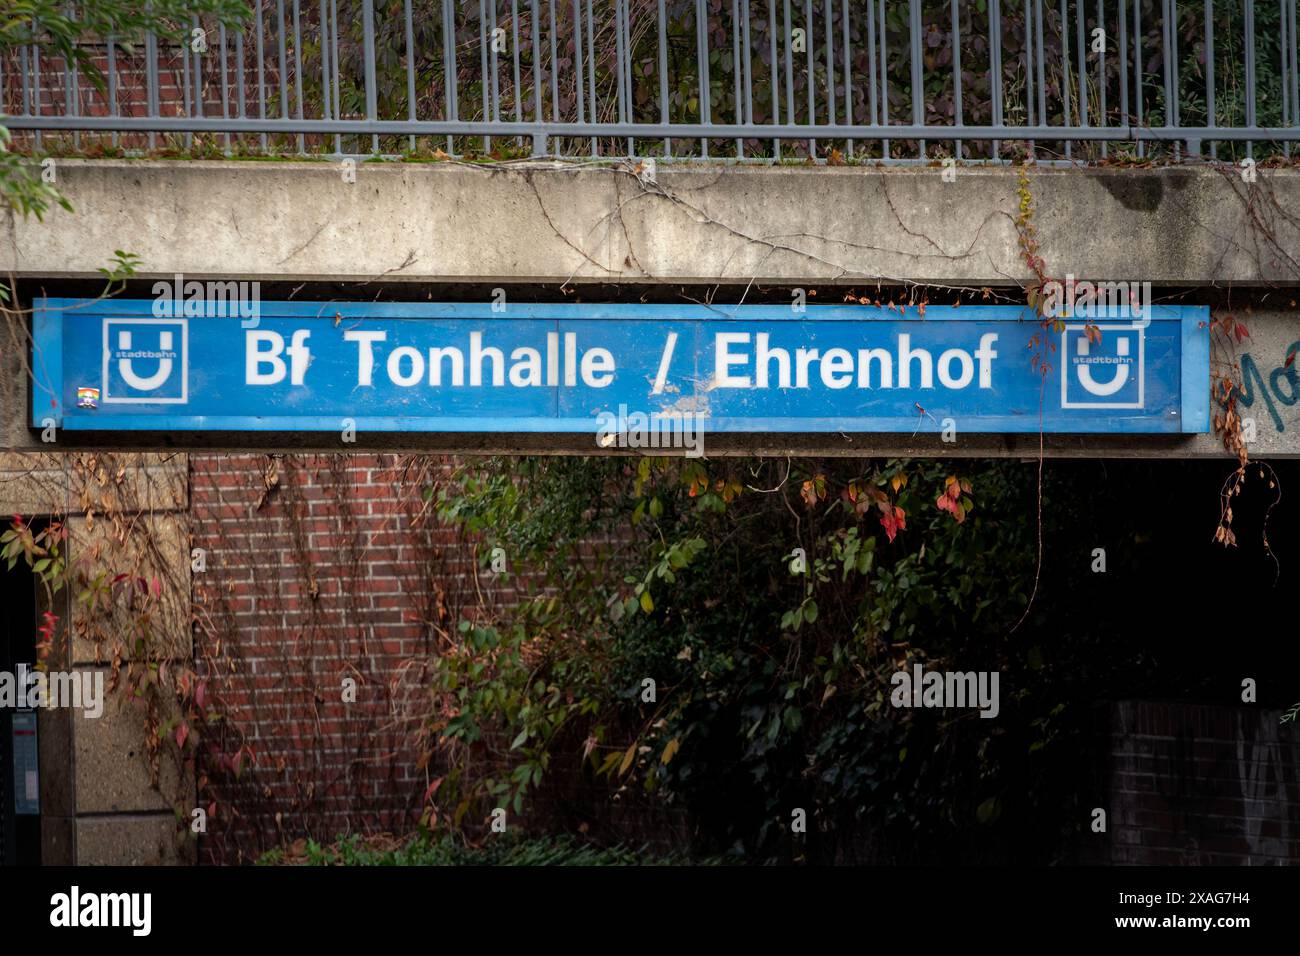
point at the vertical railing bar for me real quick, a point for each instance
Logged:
(555, 70)
(1165, 64)
(1211, 117)
(1065, 75)
(884, 83)
(829, 16)
(1028, 43)
(846, 43)
(324, 61)
(957, 110)
(198, 74)
(591, 75)
(111, 53)
(1250, 74)
(1081, 47)
(872, 104)
(185, 89)
(775, 71)
(496, 61)
(621, 86)
(240, 80)
(451, 70)
(334, 68)
(702, 69)
(1177, 84)
(515, 56)
(914, 42)
(537, 64)
(735, 77)
(26, 80)
(261, 74)
(1287, 40)
(1125, 117)
(1294, 48)
(282, 48)
(408, 28)
(36, 83)
(368, 38)
(1286, 61)
(483, 69)
(627, 66)
(70, 86)
(1137, 75)
(1101, 74)
(663, 73)
(1040, 60)
(297, 68)
(809, 72)
(577, 62)
(748, 51)
(789, 67)
(995, 71)
(225, 83)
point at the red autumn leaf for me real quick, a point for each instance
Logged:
(893, 522)
(808, 494)
(432, 788)
(182, 733)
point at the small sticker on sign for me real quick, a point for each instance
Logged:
(87, 398)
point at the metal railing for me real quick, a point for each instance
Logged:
(751, 80)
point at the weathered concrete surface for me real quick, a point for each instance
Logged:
(159, 554)
(792, 225)
(112, 765)
(134, 840)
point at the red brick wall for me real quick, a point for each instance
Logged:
(1202, 785)
(318, 569)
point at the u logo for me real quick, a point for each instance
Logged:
(1117, 380)
(145, 383)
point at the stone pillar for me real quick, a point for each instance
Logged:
(98, 805)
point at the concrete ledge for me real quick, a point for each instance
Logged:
(529, 223)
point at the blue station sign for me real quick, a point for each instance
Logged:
(111, 365)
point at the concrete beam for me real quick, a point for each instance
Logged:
(552, 223)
